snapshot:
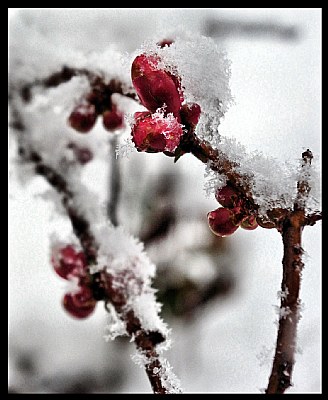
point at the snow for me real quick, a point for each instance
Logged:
(189, 56)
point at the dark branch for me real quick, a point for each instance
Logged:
(291, 230)
(145, 341)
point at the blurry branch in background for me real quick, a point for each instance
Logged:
(222, 27)
(114, 182)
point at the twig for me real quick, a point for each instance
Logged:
(291, 231)
(145, 341)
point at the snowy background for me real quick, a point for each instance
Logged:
(227, 345)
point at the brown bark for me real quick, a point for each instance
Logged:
(284, 359)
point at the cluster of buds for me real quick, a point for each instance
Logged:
(224, 221)
(71, 264)
(98, 102)
(168, 119)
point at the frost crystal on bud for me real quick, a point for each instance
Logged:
(156, 133)
(67, 262)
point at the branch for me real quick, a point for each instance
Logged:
(219, 162)
(290, 224)
(145, 341)
(66, 74)
(114, 183)
(291, 231)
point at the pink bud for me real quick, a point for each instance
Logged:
(156, 133)
(67, 261)
(227, 196)
(83, 118)
(156, 87)
(221, 222)
(78, 311)
(113, 119)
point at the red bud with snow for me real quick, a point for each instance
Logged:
(156, 133)
(155, 86)
(68, 262)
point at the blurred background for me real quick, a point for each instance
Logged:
(219, 295)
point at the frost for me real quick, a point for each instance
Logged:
(213, 180)
(282, 294)
(115, 327)
(124, 150)
(283, 312)
(273, 182)
(168, 379)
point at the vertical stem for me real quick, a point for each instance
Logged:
(114, 184)
(284, 359)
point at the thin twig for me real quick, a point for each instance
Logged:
(291, 231)
(145, 341)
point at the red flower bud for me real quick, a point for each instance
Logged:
(156, 87)
(67, 261)
(113, 119)
(83, 118)
(227, 196)
(156, 133)
(190, 114)
(70, 304)
(221, 222)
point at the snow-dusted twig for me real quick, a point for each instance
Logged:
(144, 339)
(121, 277)
(219, 162)
(291, 230)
